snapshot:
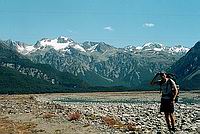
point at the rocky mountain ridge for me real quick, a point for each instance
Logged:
(187, 68)
(18, 74)
(101, 64)
(30, 71)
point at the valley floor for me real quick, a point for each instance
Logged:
(95, 113)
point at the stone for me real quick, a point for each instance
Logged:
(198, 129)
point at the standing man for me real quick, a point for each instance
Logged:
(169, 93)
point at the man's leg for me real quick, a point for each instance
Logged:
(167, 118)
(172, 117)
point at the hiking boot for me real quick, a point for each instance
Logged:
(173, 130)
(169, 127)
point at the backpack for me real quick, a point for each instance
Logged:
(173, 77)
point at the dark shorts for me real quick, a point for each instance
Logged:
(166, 106)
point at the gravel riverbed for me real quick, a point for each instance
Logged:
(101, 113)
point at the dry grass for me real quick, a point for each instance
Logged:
(10, 127)
(16, 97)
(131, 127)
(48, 115)
(73, 116)
(112, 122)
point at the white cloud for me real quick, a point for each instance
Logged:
(109, 28)
(148, 25)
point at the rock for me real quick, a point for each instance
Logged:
(159, 132)
(198, 129)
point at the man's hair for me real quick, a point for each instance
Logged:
(162, 73)
(168, 75)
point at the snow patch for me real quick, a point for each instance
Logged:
(20, 48)
(158, 49)
(178, 49)
(92, 49)
(59, 44)
(53, 43)
(29, 48)
(139, 47)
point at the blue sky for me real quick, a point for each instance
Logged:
(116, 22)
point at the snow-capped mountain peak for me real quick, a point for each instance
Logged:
(100, 47)
(63, 39)
(59, 44)
(153, 46)
(179, 49)
(19, 46)
(147, 47)
(130, 48)
(157, 47)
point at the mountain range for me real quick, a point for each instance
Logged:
(101, 64)
(18, 74)
(65, 63)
